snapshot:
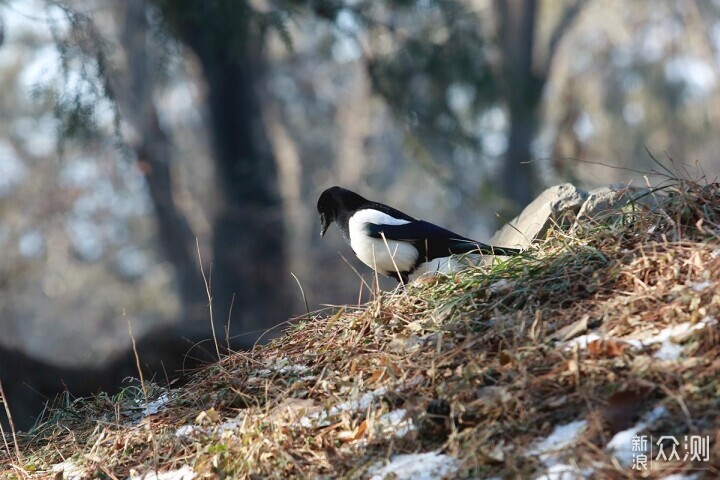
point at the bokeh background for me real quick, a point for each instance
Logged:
(138, 137)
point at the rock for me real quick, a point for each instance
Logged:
(610, 200)
(555, 205)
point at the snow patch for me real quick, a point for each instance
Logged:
(321, 419)
(184, 473)
(156, 405)
(669, 350)
(187, 430)
(416, 466)
(397, 422)
(701, 286)
(563, 471)
(561, 437)
(671, 331)
(681, 476)
(621, 444)
(69, 471)
(549, 448)
(582, 341)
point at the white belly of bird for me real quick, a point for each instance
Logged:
(386, 256)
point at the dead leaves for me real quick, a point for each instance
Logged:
(607, 347)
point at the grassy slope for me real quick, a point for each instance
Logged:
(489, 351)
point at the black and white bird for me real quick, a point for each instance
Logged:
(390, 241)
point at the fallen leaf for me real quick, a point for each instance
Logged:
(433, 279)
(621, 408)
(572, 330)
(572, 367)
(377, 376)
(607, 347)
(494, 454)
(557, 402)
(505, 357)
(492, 396)
(292, 409)
(352, 435)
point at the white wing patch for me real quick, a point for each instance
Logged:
(375, 252)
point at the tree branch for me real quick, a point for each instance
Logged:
(568, 18)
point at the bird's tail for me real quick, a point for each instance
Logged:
(460, 247)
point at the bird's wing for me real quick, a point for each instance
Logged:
(418, 230)
(437, 240)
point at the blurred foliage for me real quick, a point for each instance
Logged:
(443, 55)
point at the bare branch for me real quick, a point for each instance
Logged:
(568, 18)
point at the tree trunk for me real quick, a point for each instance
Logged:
(154, 154)
(249, 261)
(523, 88)
(249, 257)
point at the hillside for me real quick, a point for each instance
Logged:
(542, 366)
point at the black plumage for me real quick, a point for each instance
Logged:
(389, 240)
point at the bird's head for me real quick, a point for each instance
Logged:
(333, 202)
(327, 208)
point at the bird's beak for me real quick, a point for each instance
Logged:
(324, 224)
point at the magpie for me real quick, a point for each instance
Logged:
(388, 240)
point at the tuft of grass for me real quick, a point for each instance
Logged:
(480, 364)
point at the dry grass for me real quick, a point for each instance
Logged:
(482, 363)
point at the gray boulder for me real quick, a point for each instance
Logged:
(567, 205)
(611, 200)
(559, 204)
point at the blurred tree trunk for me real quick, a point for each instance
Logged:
(153, 150)
(525, 76)
(522, 94)
(249, 261)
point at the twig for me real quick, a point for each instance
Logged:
(12, 426)
(209, 295)
(229, 320)
(302, 292)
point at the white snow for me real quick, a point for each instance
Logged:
(397, 422)
(416, 466)
(671, 331)
(549, 447)
(156, 405)
(69, 470)
(187, 430)
(701, 286)
(621, 444)
(184, 473)
(563, 471)
(229, 425)
(321, 419)
(561, 437)
(582, 341)
(669, 350)
(681, 476)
